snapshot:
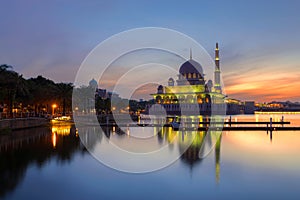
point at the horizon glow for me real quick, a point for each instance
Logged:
(259, 41)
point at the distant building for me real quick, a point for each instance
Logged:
(279, 106)
(101, 93)
(249, 107)
(234, 106)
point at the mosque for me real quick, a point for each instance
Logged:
(192, 92)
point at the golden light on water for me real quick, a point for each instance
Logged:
(61, 129)
(128, 132)
(269, 113)
(54, 139)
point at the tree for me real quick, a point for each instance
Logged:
(63, 92)
(13, 86)
(42, 92)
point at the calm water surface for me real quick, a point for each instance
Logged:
(51, 163)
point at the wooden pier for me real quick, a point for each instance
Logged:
(217, 126)
(235, 123)
(251, 128)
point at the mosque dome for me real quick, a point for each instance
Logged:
(93, 83)
(160, 89)
(171, 80)
(191, 66)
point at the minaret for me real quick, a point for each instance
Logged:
(218, 88)
(191, 54)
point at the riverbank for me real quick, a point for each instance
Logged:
(22, 123)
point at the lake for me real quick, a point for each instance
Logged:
(52, 163)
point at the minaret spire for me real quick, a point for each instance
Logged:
(217, 59)
(191, 54)
(217, 70)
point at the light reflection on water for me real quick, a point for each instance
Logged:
(247, 164)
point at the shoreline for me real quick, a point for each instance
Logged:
(22, 123)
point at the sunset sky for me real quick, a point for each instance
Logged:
(259, 40)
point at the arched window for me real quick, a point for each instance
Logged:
(207, 100)
(167, 100)
(199, 99)
(189, 99)
(181, 99)
(158, 99)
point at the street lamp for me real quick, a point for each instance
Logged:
(53, 107)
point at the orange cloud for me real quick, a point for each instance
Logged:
(275, 80)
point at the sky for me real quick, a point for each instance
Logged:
(259, 40)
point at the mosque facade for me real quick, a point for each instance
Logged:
(191, 92)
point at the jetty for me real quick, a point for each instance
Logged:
(216, 126)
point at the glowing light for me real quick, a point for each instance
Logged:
(62, 118)
(53, 107)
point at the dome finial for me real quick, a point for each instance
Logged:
(191, 55)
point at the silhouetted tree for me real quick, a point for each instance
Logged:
(63, 92)
(13, 87)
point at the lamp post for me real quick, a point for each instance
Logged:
(53, 107)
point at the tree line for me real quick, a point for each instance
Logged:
(33, 95)
(37, 95)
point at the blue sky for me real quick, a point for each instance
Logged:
(52, 38)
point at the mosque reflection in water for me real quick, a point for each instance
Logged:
(24, 148)
(193, 146)
(201, 144)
